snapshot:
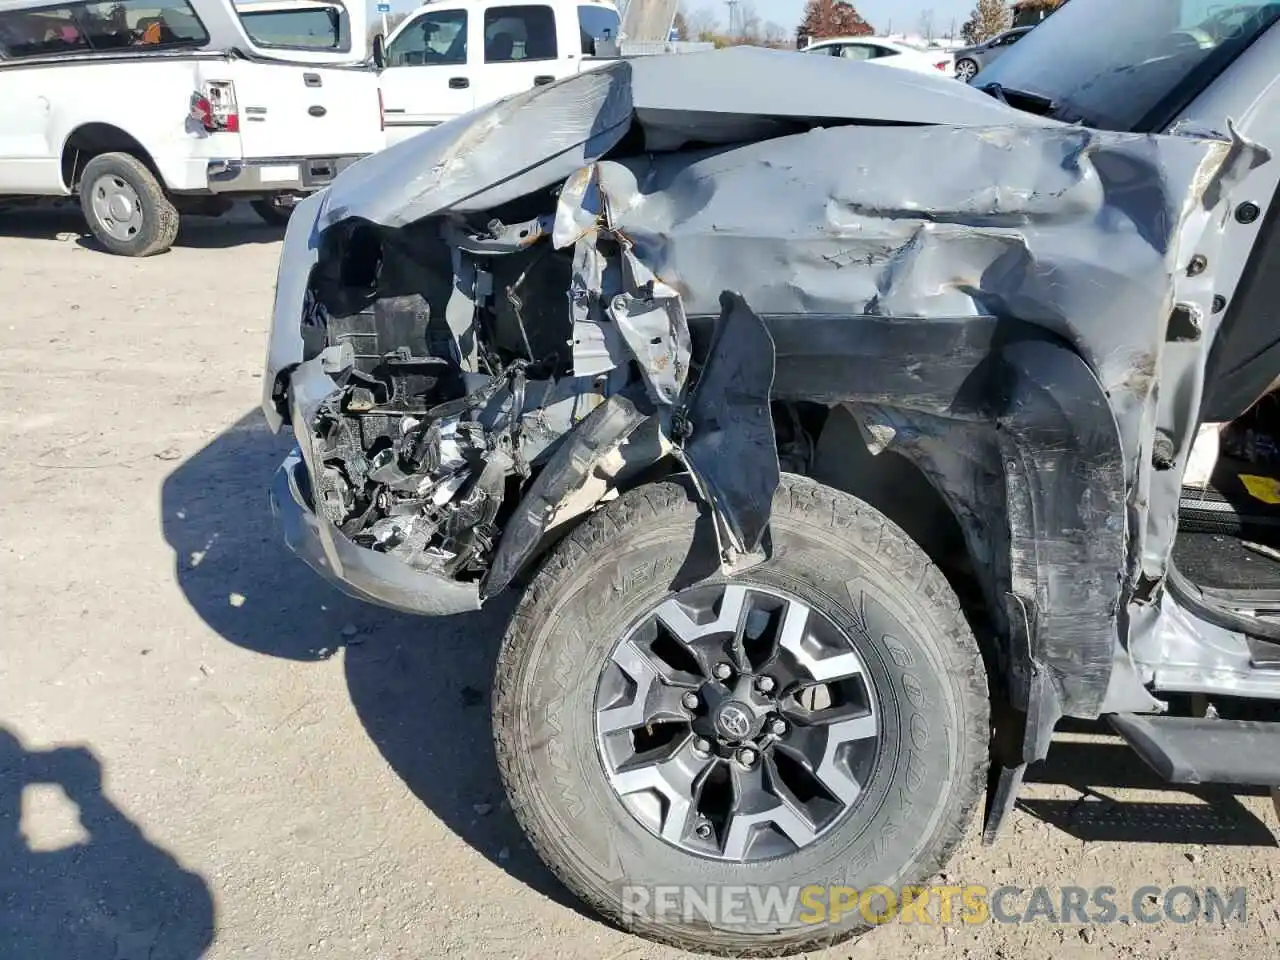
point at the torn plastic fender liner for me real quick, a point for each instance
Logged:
(1066, 495)
(1063, 465)
(723, 432)
(1065, 492)
(726, 438)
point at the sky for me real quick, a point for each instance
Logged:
(881, 13)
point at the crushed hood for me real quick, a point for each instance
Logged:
(537, 138)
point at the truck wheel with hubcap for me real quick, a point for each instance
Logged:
(126, 206)
(819, 718)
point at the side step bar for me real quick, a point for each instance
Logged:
(1204, 750)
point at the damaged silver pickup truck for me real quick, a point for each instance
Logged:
(834, 427)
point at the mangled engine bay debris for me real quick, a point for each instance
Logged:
(503, 316)
(450, 402)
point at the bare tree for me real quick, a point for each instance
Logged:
(775, 34)
(703, 24)
(749, 26)
(924, 26)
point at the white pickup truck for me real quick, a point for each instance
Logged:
(148, 109)
(451, 56)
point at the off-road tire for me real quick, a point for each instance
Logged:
(834, 552)
(271, 214)
(160, 218)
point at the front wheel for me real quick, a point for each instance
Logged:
(966, 69)
(667, 735)
(126, 207)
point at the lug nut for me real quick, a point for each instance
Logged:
(703, 830)
(702, 745)
(778, 727)
(690, 700)
(747, 757)
(723, 671)
(765, 684)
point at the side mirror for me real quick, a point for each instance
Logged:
(379, 51)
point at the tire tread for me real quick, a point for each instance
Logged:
(163, 224)
(821, 505)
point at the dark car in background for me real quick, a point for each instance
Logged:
(969, 60)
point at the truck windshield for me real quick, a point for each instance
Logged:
(597, 23)
(303, 28)
(1128, 66)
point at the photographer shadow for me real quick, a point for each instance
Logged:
(103, 892)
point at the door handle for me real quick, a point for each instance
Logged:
(545, 78)
(459, 83)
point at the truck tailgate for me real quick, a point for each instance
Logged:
(293, 110)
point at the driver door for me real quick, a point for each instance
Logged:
(428, 76)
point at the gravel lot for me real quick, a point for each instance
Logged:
(206, 751)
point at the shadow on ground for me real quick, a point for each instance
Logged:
(64, 222)
(420, 686)
(98, 890)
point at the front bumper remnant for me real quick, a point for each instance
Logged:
(360, 573)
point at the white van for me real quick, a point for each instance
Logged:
(451, 56)
(147, 109)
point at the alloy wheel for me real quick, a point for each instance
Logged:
(736, 722)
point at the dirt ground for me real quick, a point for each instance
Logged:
(206, 751)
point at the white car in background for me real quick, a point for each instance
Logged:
(888, 52)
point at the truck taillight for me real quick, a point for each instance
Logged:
(214, 107)
(382, 113)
